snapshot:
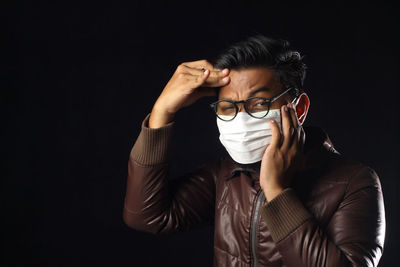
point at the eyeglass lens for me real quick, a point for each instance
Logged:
(258, 108)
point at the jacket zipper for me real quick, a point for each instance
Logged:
(254, 227)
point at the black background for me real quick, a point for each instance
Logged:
(78, 79)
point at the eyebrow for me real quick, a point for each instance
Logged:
(262, 88)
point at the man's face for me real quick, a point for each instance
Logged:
(257, 81)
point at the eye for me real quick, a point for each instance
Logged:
(261, 103)
(258, 104)
(225, 106)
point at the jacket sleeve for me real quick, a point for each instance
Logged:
(354, 236)
(159, 205)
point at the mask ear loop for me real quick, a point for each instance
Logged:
(295, 102)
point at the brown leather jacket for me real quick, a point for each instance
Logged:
(333, 215)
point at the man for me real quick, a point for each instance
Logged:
(284, 196)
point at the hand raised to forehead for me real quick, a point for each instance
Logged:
(190, 81)
(216, 77)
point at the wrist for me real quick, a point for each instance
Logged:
(271, 193)
(159, 117)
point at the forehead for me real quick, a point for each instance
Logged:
(244, 81)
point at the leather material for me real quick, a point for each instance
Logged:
(347, 226)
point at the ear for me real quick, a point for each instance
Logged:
(302, 105)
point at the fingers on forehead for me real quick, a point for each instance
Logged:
(214, 74)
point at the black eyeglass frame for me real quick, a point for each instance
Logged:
(268, 100)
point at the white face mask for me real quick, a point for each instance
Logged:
(246, 138)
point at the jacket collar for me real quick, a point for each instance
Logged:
(317, 143)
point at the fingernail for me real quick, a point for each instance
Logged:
(285, 108)
(225, 71)
(271, 121)
(225, 79)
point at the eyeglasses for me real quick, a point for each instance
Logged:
(257, 107)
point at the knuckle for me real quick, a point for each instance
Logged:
(180, 67)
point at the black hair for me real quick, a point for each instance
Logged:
(262, 51)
